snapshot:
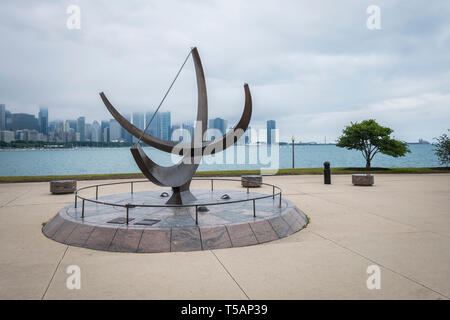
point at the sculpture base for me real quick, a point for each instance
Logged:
(163, 229)
(181, 197)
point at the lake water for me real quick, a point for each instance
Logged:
(120, 160)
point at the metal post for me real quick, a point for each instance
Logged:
(196, 215)
(76, 198)
(326, 173)
(293, 152)
(82, 210)
(127, 214)
(247, 190)
(254, 209)
(279, 205)
(273, 192)
(131, 187)
(96, 192)
(212, 184)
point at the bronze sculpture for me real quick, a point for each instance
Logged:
(179, 176)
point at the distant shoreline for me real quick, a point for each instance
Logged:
(109, 145)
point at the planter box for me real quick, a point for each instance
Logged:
(362, 179)
(63, 186)
(251, 181)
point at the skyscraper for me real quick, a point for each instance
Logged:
(271, 125)
(164, 125)
(104, 131)
(43, 120)
(20, 121)
(126, 136)
(2, 117)
(95, 132)
(114, 130)
(153, 129)
(219, 124)
(81, 128)
(138, 121)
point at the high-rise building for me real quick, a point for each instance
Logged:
(8, 120)
(164, 125)
(271, 126)
(20, 121)
(153, 128)
(219, 124)
(126, 136)
(95, 132)
(88, 131)
(247, 136)
(43, 120)
(183, 132)
(104, 130)
(115, 131)
(2, 117)
(81, 123)
(7, 136)
(138, 121)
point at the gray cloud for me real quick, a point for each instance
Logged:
(312, 66)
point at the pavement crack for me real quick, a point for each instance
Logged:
(54, 272)
(223, 266)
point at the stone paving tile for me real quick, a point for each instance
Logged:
(263, 231)
(185, 239)
(53, 225)
(241, 235)
(215, 238)
(79, 236)
(154, 240)
(64, 231)
(291, 218)
(126, 240)
(100, 238)
(280, 226)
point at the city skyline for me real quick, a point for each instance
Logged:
(160, 127)
(28, 127)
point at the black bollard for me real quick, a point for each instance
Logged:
(326, 173)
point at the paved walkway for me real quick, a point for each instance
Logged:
(402, 224)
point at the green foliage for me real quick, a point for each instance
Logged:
(442, 150)
(370, 138)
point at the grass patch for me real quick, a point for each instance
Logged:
(229, 173)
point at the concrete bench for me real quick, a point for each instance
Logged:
(63, 186)
(362, 179)
(251, 181)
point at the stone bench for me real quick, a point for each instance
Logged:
(63, 186)
(362, 179)
(251, 181)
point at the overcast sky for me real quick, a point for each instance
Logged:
(313, 66)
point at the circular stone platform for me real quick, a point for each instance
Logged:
(164, 229)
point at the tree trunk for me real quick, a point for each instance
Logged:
(367, 163)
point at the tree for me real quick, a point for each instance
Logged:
(371, 138)
(442, 149)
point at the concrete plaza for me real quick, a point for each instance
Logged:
(401, 224)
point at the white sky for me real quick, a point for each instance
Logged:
(313, 66)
